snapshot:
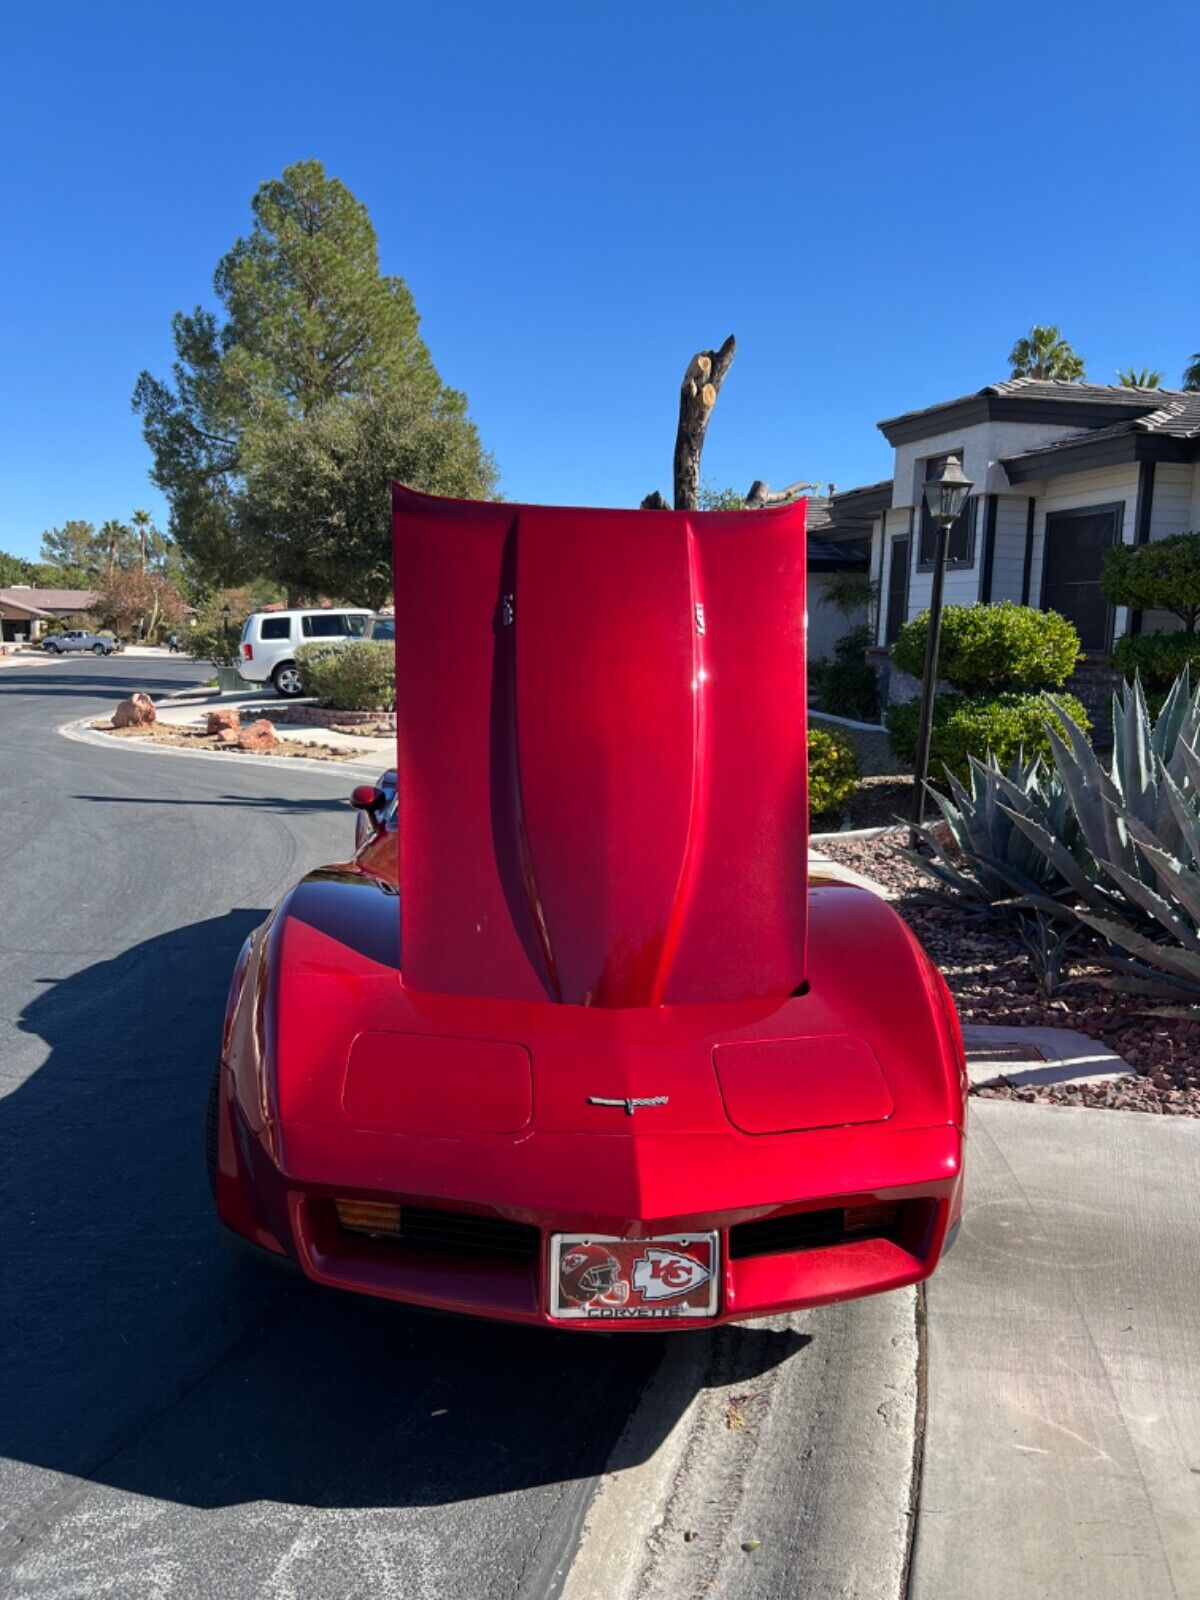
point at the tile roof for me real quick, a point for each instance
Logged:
(1177, 418)
(50, 599)
(1118, 396)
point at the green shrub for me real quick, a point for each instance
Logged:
(1163, 575)
(1002, 646)
(359, 676)
(1159, 657)
(978, 725)
(832, 772)
(847, 689)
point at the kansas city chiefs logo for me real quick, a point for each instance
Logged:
(662, 1274)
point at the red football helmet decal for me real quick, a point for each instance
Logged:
(587, 1271)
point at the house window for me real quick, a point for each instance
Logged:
(960, 551)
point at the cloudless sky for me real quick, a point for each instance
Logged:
(877, 198)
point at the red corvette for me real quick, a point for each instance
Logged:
(573, 1039)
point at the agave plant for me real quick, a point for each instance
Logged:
(1138, 884)
(996, 862)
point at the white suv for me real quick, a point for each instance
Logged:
(270, 640)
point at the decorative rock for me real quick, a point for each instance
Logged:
(223, 719)
(136, 712)
(259, 735)
(228, 736)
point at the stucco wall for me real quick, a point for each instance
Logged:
(982, 447)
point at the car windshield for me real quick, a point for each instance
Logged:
(357, 625)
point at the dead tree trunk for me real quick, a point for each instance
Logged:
(698, 395)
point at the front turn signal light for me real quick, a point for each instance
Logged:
(379, 1217)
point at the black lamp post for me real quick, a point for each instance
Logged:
(225, 626)
(945, 495)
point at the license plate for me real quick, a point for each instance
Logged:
(598, 1279)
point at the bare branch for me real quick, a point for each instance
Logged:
(761, 494)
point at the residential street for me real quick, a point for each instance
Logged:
(169, 1425)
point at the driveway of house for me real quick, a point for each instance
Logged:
(1062, 1446)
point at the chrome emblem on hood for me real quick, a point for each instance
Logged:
(630, 1104)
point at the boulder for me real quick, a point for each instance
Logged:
(228, 736)
(136, 712)
(223, 719)
(259, 735)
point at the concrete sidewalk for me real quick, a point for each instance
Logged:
(1062, 1444)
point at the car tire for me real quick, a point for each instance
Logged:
(286, 679)
(99, 650)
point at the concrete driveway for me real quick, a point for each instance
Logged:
(1062, 1446)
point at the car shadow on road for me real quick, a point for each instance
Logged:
(283, 804)
(138, 1354)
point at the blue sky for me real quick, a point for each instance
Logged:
(877, 198)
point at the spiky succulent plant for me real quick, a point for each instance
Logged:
(994, 862)
(1134, 865)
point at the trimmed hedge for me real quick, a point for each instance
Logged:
(1159, 657)
(832, 772)
(973, 725)
(358, 676)
(1001, 646)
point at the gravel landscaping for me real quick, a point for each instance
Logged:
(990, 976)
(197, 739)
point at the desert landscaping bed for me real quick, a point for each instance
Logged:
(198, 739)
(990, 976)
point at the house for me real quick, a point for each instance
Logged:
(25, 611)
(1060, 472)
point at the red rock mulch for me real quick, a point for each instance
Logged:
(990, 976)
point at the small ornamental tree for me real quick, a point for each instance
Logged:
(141, 603)
(1163, 575)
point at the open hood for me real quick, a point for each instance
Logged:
(602, 751)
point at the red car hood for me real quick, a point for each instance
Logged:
(602, 755)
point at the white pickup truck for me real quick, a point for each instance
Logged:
(99, 644)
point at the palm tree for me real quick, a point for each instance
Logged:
(113, 539)
(1044, 353)
(1191, 373)
(143, 524)
(1139, 377)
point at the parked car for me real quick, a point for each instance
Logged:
(602, 1065)
(375, 806)
(383, 629)
(99, 644)
(270, 640)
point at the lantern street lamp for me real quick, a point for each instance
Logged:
(945, 495)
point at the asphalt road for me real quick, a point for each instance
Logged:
(170, 1423)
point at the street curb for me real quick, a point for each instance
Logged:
(719, 1485)
(80, 731)
(632, 1498)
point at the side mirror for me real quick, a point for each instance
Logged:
(367, 797)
